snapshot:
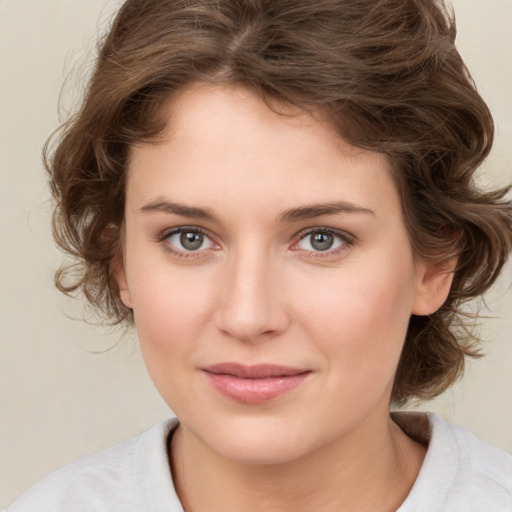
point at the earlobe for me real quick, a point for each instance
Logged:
(124, 294)
(118, 270)
(434, 281)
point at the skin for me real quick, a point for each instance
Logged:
(258, 291)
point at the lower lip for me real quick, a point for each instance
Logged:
(255, 391)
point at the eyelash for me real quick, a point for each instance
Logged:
(166, 235)
(347, 241)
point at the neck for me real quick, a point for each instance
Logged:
(372, 469)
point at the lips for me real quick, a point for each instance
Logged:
(254, 384)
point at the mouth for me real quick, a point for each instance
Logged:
(254, 384)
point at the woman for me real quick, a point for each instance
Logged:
(279, 195)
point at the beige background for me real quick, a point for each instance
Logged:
(58, 399)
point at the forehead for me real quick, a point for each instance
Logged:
(226, 144)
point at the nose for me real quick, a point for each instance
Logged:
(251, 302)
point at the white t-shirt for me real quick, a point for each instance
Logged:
(460, 474)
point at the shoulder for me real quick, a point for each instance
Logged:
(482, 468)
(106, 480)
(460, 473)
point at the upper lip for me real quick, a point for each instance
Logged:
(258, 371)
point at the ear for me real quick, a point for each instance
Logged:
(434, 280)
(119, 273)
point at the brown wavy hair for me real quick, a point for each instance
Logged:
(387, 76)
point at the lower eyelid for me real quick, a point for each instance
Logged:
(165, 237)
(345, 240)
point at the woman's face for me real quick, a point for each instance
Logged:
(270, 275)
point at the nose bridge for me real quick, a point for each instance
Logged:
(251, 304)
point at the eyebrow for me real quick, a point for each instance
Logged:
(292, 215)
(317, 210)
(179, 209)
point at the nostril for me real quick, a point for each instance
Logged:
(256, 325)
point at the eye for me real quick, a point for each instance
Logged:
(323, 240)
(188, 240)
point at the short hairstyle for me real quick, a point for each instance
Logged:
(385, 74)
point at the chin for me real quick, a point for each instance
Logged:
(265, 453)
(257, 442)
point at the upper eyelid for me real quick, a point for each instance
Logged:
(180, 229)
(319, 229)
(347, 241)
(176, 251)
(164, 236)
(345, 235)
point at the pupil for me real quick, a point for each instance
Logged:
(191, 241)
(322, 241)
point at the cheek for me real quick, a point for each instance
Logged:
(170, 319)
(171, 307)
(359, 318)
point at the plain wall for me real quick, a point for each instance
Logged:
(60, 397)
